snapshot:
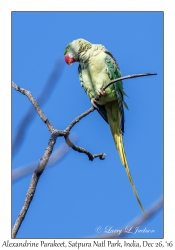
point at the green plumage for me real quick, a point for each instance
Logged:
(114, 72)
(96, 68)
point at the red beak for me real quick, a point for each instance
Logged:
(68, 59)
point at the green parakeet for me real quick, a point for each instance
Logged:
(96, 68)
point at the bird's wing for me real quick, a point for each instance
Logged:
(113, 73)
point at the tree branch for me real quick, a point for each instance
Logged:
(55, 134)
(54, 158)
(91, 157)
(97, 98)
(43, 97)
(32, 100)
(77, 119)
(35, 177)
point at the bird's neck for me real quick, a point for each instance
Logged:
(86, 56)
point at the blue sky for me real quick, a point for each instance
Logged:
(77, 195)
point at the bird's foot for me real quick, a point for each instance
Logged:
(101, 92)
(93, 101)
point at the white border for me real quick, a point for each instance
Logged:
(5, 94)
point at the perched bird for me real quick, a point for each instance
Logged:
(96, 68)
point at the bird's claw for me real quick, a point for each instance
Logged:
(93, 101)
(101, 92)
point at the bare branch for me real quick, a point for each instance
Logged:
(97, 98)
(91, 157)
(32, 100)
(60, 132)
(44, 160)
(77, 119)
(135, 223)
(43, 97)
(35, 177)
(55, 158)
(128, 77)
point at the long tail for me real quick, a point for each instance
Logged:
(113, 116)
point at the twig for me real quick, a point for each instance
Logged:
(124, 78)
(135, 224)
(43, 97)
(60, 132)
(77, 119)
(33, 101)
(91, 157)
(55, 133)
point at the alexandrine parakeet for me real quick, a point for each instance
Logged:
(96, 68)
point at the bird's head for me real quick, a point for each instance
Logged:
(73, 50)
